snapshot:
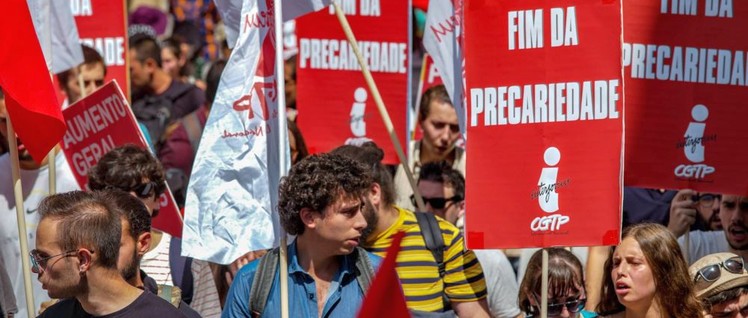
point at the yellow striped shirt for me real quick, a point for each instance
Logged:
(418, 271)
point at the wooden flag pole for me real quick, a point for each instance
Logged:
(282, 147)
(544, 286)
(380, 104)
(22, 234)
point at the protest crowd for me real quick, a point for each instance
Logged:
(162, 197)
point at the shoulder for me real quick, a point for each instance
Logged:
(153, 304)
(63, 308)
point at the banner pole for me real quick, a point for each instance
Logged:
(380, 104)
(282, 145)
(544, 286)
(22, 234)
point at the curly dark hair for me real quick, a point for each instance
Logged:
(124, 168)
(317, 182)
(370, 155)
(130, 209)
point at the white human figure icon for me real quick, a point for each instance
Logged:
(695, 131)
(548, 199)
(358, 110)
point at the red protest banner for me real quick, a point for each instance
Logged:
(99, 123)
(685, 94)
(102, 24)
(334, 103)
(544, 124)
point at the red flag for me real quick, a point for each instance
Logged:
(385, 297)
(29, 94)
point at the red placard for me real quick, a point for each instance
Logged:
(544, 124)
(102, 24)
(335, 105)
(686, 76)
(99, 123)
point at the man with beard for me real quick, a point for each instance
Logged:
(733, 214)
(76, 256)
(695, 211)
(35, 183)
(430, 287)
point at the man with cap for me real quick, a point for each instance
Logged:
(721, 283)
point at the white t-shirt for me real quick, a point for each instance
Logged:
(702, 244)
(35, 184)
(501, 283)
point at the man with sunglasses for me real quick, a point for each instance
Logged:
(733, 215)
(721, 283)
(443, 190)
(93, 72)
(135, 170)
(77, 248)
(35, 184)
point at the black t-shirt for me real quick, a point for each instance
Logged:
(147, 305)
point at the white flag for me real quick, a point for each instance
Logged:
(442, 40)
(232, 20)
(236, 171)
(57, 33)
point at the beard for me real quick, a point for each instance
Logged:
(131, 269)
(371, 217)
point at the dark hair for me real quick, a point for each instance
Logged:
(124, 168)
(87, 220)
(674, 287)
(145, 48)
(564, 274)
(291, 61)
(317, 182)
(131, 209)
(442, 172)
(370, 155)
(434, 93)
(90, 56)
(724, 296)
(212, 79)
(300, 143)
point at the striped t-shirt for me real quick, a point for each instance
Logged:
(418, 271)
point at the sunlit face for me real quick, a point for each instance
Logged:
(710, 214)
(735, 308)
(93, 78)
(169, 62)
(60, 276)
(733, 213)
(127, 261)
(440, 129)
(632, 275)
(340, 224)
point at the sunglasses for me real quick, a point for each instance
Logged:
(146, 190)
(39, 264)
(555, 309)
(436, 203)
(709, 274)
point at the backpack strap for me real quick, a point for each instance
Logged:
(263, 281)
(194, 130)
(432, 237)
(365, 269)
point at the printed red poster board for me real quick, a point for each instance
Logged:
(102, 25)
(334, 103)
(686, 76)
(99, 123)
(544, 124)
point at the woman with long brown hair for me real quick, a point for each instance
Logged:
(647, 276)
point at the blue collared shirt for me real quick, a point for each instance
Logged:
(302, 292)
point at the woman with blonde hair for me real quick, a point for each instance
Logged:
(647, 276)
(566, 293)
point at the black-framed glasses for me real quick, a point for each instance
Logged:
(706, 200)
(709, 274)
(436, 203)
(39, 264)
(555, 309)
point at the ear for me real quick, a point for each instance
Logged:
(144, 243)
(375, 194)
(308, 217)
(150, 64)
(85, 259)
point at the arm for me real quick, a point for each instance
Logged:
(471, 309)
(464, 283)
(594, 272)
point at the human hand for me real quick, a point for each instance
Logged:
(682, 212)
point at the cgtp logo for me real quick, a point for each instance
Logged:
(358, 116)
(547, 195)
(693, 145)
